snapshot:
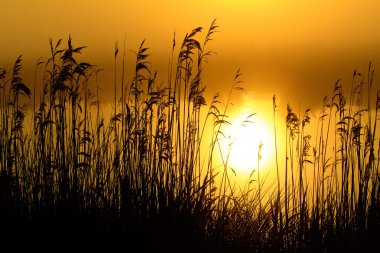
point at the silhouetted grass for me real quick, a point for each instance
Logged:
(146, 176)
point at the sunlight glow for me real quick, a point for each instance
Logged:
(248, 144)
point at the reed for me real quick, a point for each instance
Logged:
(148, 172)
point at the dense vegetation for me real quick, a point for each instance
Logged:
(144, 178)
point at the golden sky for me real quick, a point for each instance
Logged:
(296, 49)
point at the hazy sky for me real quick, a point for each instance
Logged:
(296, 49)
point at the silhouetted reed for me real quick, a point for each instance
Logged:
(148, 173)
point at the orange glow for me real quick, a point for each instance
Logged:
(242, 142)
(281, 46)
(294, 49)
(248, 141)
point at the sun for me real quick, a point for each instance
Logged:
(248, 143)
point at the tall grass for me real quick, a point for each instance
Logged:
(148, 172)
